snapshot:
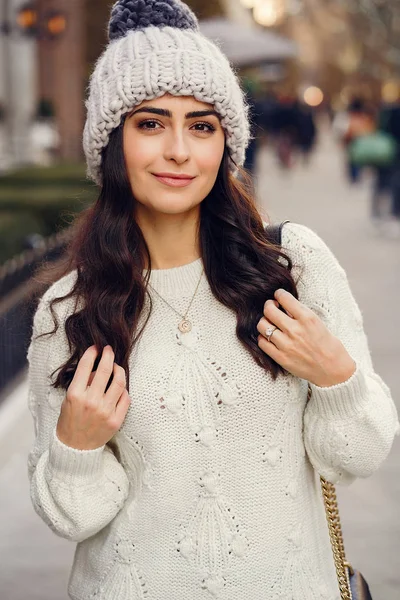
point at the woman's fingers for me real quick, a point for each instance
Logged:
(265, 327)
(122, 407)
(83, 371)
(117, 387)
(277, 316)
(271, 348)
(89, 415)
(290, 304)
(103, 372)
(97, 380)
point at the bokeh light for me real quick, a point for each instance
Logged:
(56, 24)
(390, 91)
(27, 18)
(313, 96)
(269, 12)
(249, 3)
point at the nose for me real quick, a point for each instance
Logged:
(177, 147)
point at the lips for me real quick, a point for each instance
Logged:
(173, 180)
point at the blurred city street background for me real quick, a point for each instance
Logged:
(323, 81)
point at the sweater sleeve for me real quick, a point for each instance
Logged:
(349, 428)
(75, 492)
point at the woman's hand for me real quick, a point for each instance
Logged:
(302, 344)
(90, 417)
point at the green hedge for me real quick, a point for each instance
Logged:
(40, 200)
(62, 173)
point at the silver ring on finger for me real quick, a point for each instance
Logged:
(269, 332)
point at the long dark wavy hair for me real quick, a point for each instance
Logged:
(109, 253)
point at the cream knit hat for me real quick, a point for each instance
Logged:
(156, 48)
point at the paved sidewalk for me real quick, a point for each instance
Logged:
(35, 564)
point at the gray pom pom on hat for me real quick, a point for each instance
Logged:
(127, 15)
(156, 48)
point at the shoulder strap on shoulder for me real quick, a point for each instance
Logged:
(275, 233)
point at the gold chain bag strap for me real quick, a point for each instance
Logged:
(352, 585)
(343, 568)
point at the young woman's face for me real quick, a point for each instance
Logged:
(165, 137)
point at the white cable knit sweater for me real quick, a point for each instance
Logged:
(210, 490)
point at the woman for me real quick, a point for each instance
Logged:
(170, 445)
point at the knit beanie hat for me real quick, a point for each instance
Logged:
(155, 47)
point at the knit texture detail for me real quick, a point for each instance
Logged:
(210, 490)
(349, 397)
(127, 15)
(70, 464)
(177, 281)
(150, 60)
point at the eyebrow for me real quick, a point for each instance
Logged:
(167, 113)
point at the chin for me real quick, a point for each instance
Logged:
(174, 210)
(174, 205)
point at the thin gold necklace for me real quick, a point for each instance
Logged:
(185, 325)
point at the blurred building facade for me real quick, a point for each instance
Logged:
(18, 87)
(42, 61)
(62, 70)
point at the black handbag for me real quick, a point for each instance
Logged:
(352, 584)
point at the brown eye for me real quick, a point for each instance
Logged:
(209, 128)
(144, 124)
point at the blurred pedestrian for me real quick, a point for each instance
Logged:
(286, 131)
(388, 178)
(356, 121)
(268, 106)
(306, 130)
(381, 188)
(295, 131)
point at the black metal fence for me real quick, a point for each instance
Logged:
(18, 302)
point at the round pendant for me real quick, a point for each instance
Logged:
(185, 326)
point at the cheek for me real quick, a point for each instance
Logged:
(139, 151)
(209, 159)
(137, 155)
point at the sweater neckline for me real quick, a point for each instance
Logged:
(176, 281)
